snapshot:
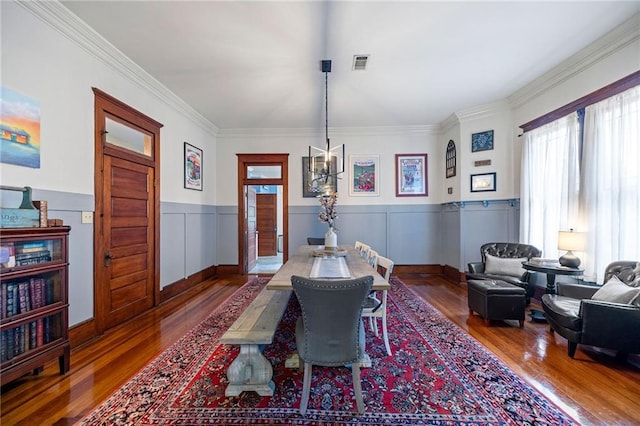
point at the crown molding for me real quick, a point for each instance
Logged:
(611, 42)
(483, 111)
(333, 132)
(64, 21)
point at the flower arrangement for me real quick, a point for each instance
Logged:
(328, 213)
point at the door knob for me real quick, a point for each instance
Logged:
(107, 258)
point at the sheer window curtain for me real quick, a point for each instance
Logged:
(610, 194)
(550, 184)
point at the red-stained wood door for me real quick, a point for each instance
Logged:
(252, 229)
(128, 265)
(126, 220)
(267, 205)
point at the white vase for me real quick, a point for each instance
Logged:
(331, 239)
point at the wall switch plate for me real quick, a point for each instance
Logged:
(87, 217)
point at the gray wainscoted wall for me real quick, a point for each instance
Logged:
(195, 237)
(188, 240)
(429, 234)
(407, 234)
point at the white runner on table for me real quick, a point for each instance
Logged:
(330, 267)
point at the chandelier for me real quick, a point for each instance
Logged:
(325, 164)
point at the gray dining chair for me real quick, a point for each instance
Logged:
(329, 332)
(315, 241)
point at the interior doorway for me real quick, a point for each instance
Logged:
(269, 236)
(262, 212)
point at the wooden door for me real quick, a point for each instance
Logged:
(246, 162)
(126, 228)
(267, 205)
(127, 285)
(252, 230)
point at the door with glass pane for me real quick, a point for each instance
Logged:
(126, 259)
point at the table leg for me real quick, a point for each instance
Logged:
(551, 284)
(250, 371)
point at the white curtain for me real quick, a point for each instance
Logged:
(550, 184)
(610, 195)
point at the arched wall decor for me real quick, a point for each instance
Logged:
(451, 159)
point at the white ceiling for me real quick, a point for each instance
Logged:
(256, 64)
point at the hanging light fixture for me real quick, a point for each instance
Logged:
(325, 164)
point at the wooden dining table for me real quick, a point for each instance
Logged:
(302, 262)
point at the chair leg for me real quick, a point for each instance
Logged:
(572, 348)
(357, 386)
(385, 336)
(375, 326)
(306, 386)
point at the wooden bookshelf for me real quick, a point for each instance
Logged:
(34, 304)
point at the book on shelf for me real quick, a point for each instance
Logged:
(24, 301)
(30, 247)
(10, 299)
(7, 255)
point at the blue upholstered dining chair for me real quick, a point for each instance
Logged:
(330, 333)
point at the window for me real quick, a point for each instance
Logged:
(597, 192)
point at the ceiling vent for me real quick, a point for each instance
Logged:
(360, 62)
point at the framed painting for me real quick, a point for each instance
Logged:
(484, 182)
(192, 167)
(411, 175)
(364, 176)
(482, 141)
(312, 187)
(19, 129)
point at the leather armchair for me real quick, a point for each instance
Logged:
(505, 250)
(575, 316)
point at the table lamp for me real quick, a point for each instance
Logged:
(570, 241)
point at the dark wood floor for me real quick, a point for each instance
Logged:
(594, 388)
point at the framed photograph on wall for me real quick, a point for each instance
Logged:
(192, 167)
(411, 175)
(482, 141)
(484, 182)
(364, 175)
(313, 188)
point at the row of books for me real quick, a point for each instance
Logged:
(19, 254)
(18, 340)
(23, 296)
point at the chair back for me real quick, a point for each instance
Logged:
(364, 250)
(372, 258)
(623, 269)
(331, 311)
(387, 265)
(358, 246)
(315, 241)
(509, 250)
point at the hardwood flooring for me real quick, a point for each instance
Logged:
(594, 387)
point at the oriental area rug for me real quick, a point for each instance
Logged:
(438, 374)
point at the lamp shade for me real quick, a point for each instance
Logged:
(570, 240)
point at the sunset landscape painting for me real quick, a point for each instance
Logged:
(19, 129)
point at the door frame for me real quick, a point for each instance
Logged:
(244, 162)
(108, 105)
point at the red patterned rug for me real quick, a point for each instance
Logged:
(438, 374)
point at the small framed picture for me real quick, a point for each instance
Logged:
(192, 167)
(365, 175)
(482, 141)
(484, 182)
(411, 175)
